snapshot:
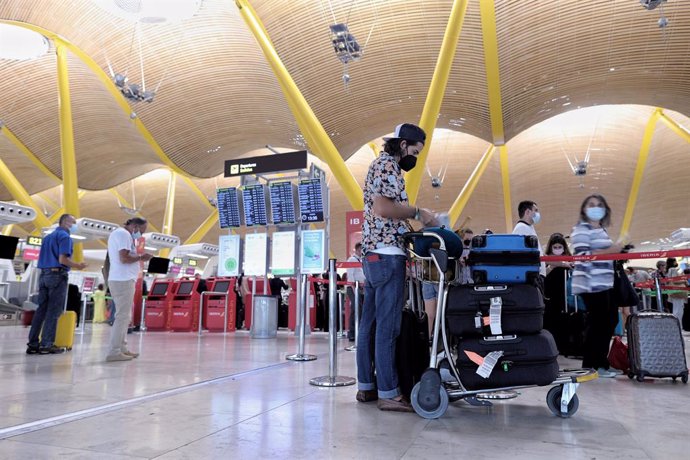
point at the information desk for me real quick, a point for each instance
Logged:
(292, 305)
(185, 305)
(157, 311)
(249, 301)
(214, 305)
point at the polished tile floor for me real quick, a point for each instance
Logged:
(232, 396)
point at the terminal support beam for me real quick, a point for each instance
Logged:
(493, 81)
(203, 229)
(434, 97)
(315, 134)
(20, 194)
(464, 196)
(375, 150)
(7, 230)
(197, 191)
(169, 210)
(28, 153)
(505, 179)
(69, 162)
(639, 172)
(678, 129)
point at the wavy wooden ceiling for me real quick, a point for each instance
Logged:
(218, 99)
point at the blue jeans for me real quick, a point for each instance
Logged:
(52, 292)
(384, 297)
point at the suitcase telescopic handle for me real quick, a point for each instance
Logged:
(659, 298)
(410, 237)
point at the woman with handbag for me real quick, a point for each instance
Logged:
(593, 281)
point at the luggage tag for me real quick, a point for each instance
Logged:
(495, 316)
(486, 364)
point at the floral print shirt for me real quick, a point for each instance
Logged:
(384, 178)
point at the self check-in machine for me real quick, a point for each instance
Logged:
(220, 291)
(185, 306)
(158, 304)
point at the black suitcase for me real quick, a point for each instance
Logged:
(526, 360)
(656, 347)
(686, 317)
(520, 308)
(412, 350)
(568, 327)
(498, 258)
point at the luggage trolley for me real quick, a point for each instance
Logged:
(441, 384)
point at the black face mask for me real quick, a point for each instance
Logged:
(467, 242)
(408, 162)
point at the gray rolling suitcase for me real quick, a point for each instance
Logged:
(655, 345)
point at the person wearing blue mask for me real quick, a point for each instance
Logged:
(122, 276)
(54, 263)
(593, 281)
(529, 215)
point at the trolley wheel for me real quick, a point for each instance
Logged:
(640, 378)
(684, 378)
(631, 375)
(429, 413)
(553, 400)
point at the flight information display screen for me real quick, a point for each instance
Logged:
(282, 202)
(228, 207)
(254, 198)
(311, 200)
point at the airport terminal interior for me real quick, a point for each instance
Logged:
(243, 132)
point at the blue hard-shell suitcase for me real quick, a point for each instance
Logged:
(505, 258)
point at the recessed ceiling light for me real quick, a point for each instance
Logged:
(19, 44)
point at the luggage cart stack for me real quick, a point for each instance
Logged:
(488, 336)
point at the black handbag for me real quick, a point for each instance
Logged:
(624, 293)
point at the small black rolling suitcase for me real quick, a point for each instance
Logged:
(516, 308)
(496, 259)
(496, 362)
(412, 347)
(655, 345)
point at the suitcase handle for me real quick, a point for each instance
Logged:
(496, 287)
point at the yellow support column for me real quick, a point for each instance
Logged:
(639, 172)
(505, 179)
(7, 231)
(169, 210)
(678, 129)
(20, 194)
(375, 150)
(28, 153)
(197, 191)
(315, 134)
(464, 196)
(434, 97)
(493, 81)
(203, 229)
(69, 162)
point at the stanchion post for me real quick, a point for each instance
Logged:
(356, 320)
(302, 316)
(332, 379)
(201, 310)
(142, 321)
(82, 320)
(341, 309)
(225, 322)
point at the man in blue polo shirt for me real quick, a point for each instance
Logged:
(54, 263)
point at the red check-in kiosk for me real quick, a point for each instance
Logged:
(184, 311)
(214, 305)
(158, 304)
(249, 300)
(292, 305)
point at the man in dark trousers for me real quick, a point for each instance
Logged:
(54, 262)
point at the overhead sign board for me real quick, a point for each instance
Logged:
(280, 162)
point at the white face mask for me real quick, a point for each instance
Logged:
(558, 252)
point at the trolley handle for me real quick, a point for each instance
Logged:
(410, 237)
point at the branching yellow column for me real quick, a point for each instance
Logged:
(69, 162)
(169, 210)
(678, 129)
(505, 179)
(464, 196)
(639, 172)
(434, 97)
(20, 194)
(28, 153)
(493, 80)
(315, 134)
(7, 230)
(203, 229)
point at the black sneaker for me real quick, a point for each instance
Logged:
(51, 350)
(32, 350)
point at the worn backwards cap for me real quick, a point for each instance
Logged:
(409, 132)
